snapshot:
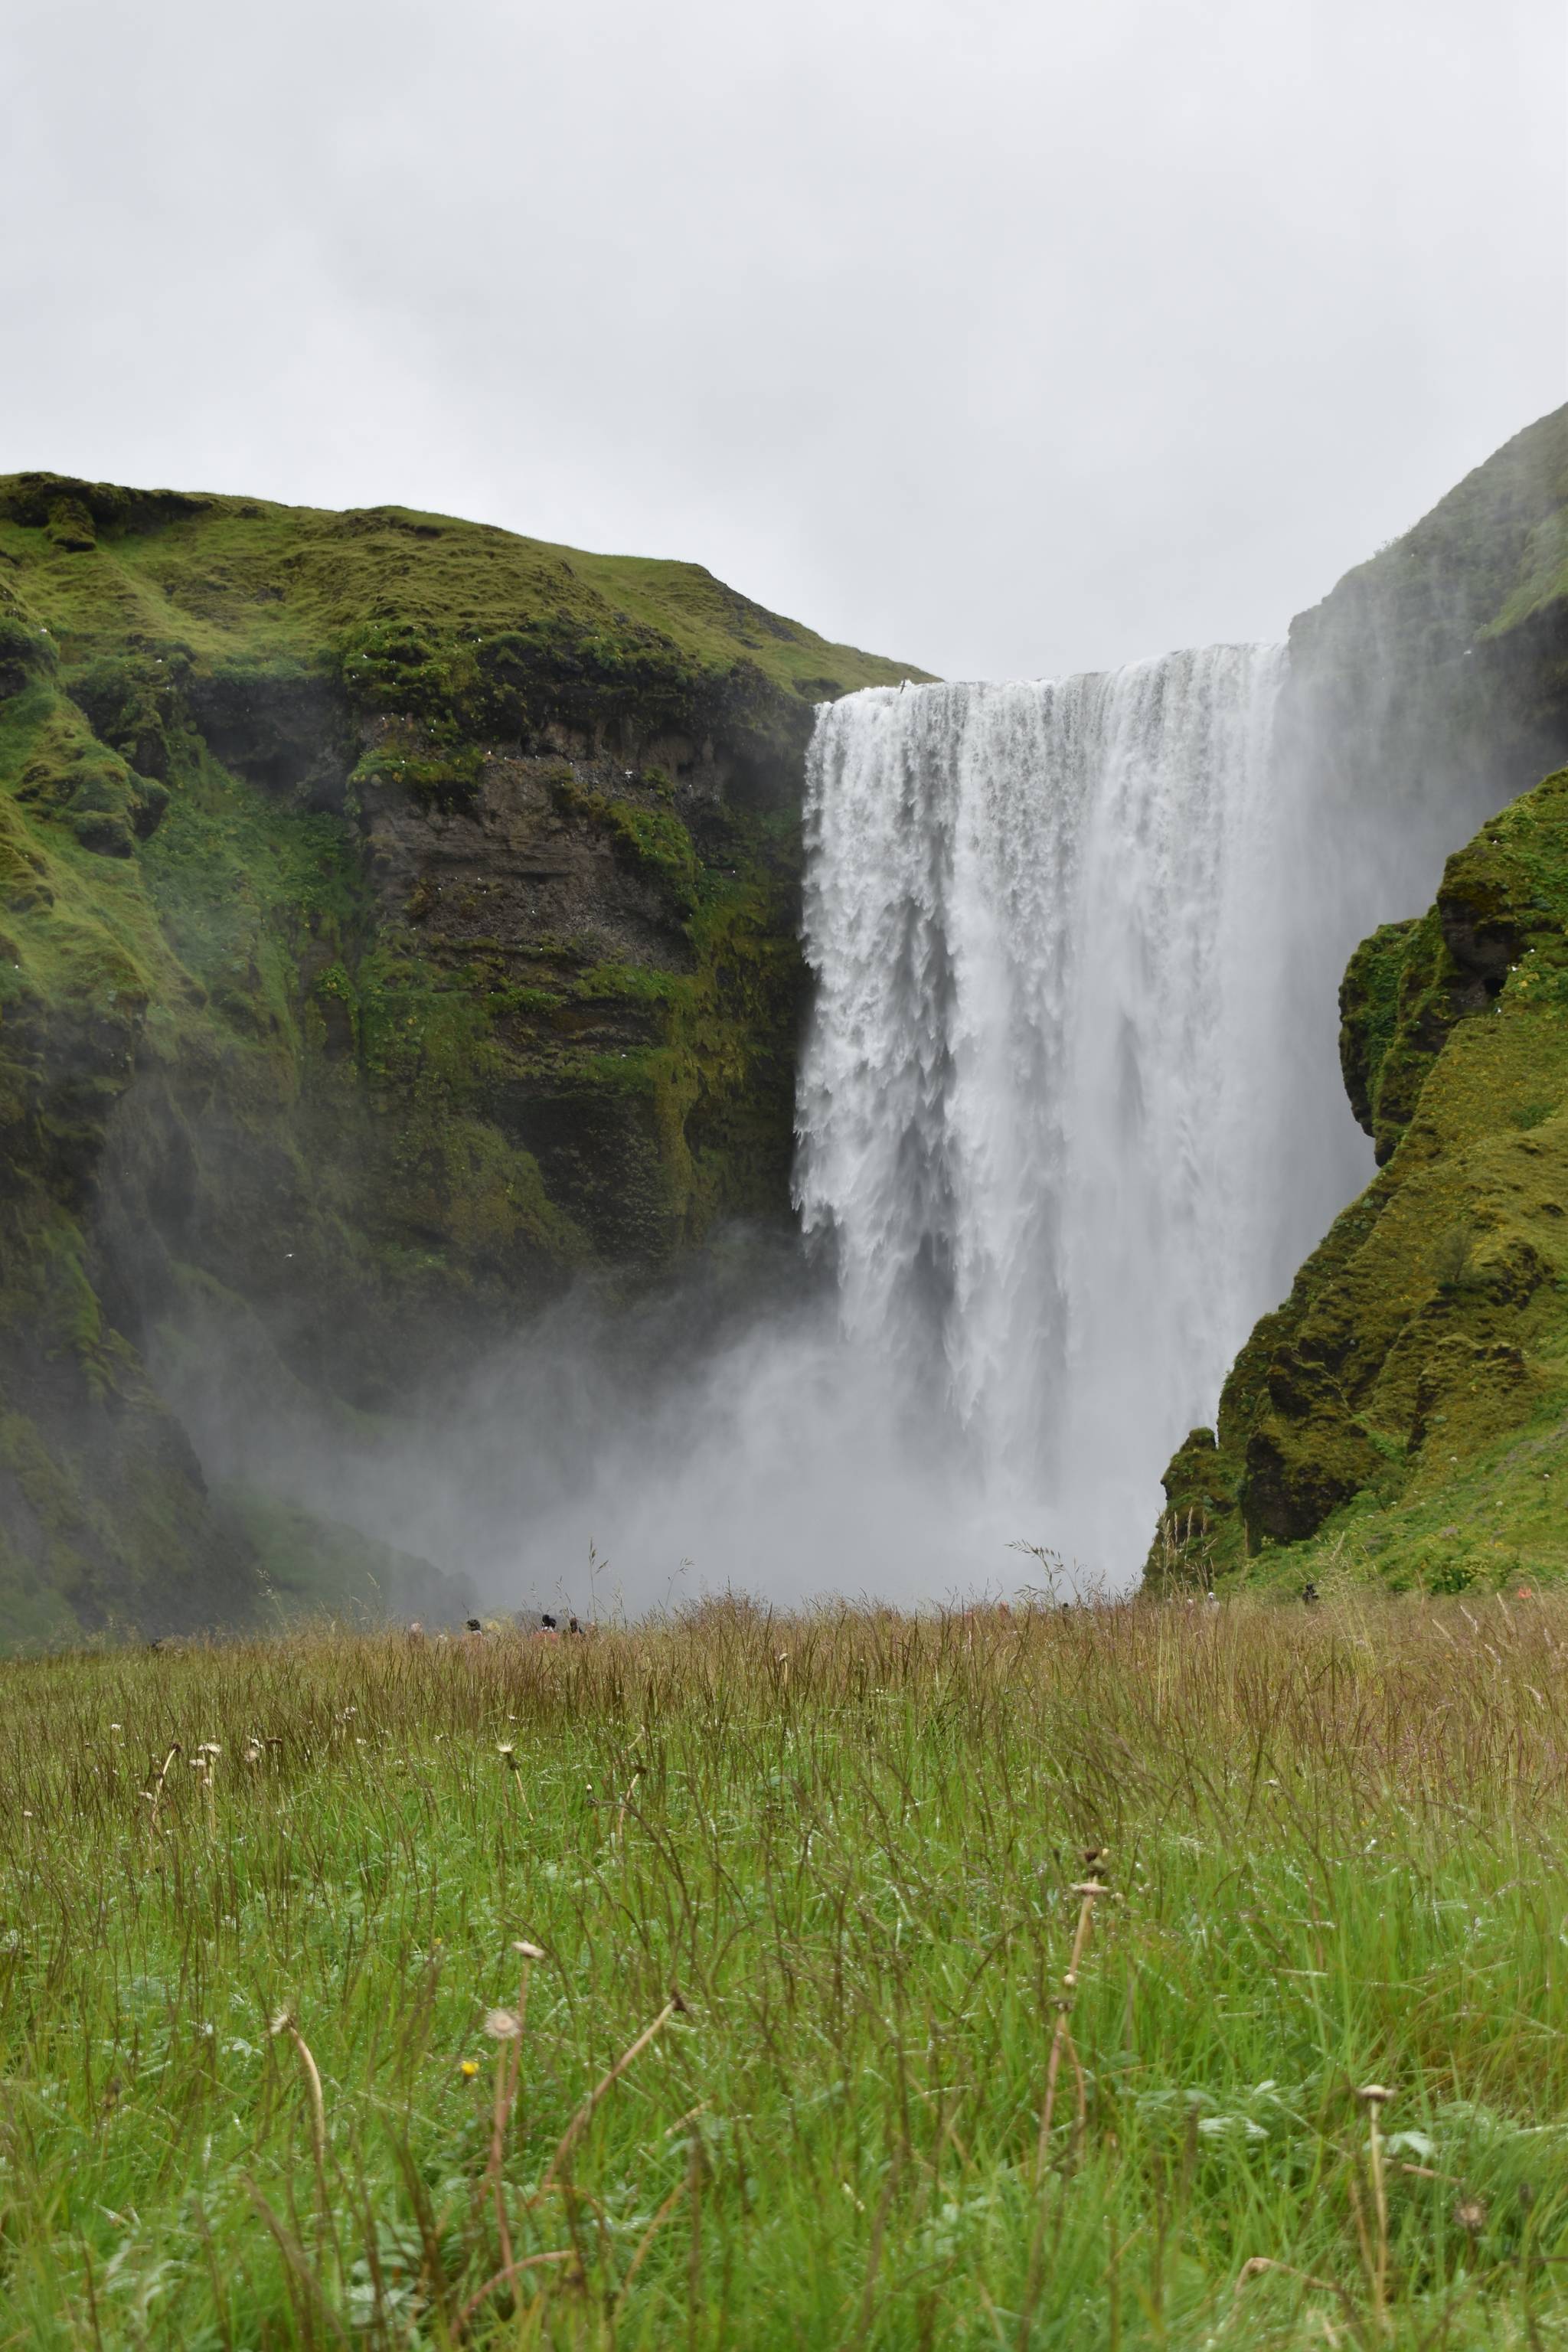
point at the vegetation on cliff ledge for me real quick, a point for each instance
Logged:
(1406, 1408)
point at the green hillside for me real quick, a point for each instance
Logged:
(1406, 1408)
(230, 581)
(397, 922)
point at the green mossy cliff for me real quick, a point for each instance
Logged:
(1406, 1408)
(398, 921)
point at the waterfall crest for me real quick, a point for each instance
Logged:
(1047, 1114)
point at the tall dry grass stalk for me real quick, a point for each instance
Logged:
(1088, 1892)
(284, 2022)
(1374, 2097)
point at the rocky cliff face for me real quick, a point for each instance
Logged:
(1406, 1408)
(398, 923)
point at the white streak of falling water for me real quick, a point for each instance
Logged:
(1046, 1108)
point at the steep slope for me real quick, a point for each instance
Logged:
(1407, 1406)
(1434, 678)
(398, 919)
(1403, 1406)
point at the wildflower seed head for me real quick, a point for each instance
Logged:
(502, 2024)
(1470, 2215)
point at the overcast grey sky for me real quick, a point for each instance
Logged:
(1005, 338)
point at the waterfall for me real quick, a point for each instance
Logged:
(1050, 1119)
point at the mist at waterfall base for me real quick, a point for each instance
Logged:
(1070, 1115)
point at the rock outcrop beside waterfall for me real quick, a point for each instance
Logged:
(399, 918)
(1406, 1408)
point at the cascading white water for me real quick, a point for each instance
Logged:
(1048, 1110)
(1070, 1117)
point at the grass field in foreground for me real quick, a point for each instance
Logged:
(1335, 1858)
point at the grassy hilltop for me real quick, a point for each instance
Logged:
(398, 919)
(803, 1894)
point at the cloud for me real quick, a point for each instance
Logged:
(1005, 337)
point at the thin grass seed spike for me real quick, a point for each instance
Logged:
(1374, 2097)
(580, 2121)
(156, 1791)
(1089, 1891)
(284, 2023)
(507, 1754)
(505, 2026)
